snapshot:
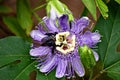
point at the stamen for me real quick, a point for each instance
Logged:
(67, 42)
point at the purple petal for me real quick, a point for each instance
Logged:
(45, 59)
(86, 39)
(90, 38)
(40, 51)
(69, 70)
(63, 22)
(37, 35)
(40, 28)
(95, 37)
(49, 65)
(80, 25)
(61, 68)
(96, 55)
(50, 24)
(78, 67)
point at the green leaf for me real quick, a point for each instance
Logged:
(50, 76)
(102, 7)
(24, 15)
(5, 9)
(110, 30)
(91, 7)
(15, 61)
(118, 1)
(14, 26)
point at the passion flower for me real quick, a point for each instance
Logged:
(59, 46)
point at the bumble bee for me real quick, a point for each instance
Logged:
(50, 41)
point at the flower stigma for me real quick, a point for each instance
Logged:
(67, 42)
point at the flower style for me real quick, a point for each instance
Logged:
(59, 45)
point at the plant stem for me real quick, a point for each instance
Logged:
(39, 7)
(91, 74)
(98, 75)
(37, 17)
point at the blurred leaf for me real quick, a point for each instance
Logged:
(24, 15)
(102, 7)
(118, 1)
(5, 9)
(91, 7)
(110, 30)
(14, 26)
(15, 61)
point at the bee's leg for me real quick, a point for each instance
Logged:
(53, 50)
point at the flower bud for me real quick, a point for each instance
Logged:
(56, 9)
(87, 56)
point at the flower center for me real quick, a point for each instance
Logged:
(65, 42)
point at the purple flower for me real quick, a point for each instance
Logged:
(59, 46)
